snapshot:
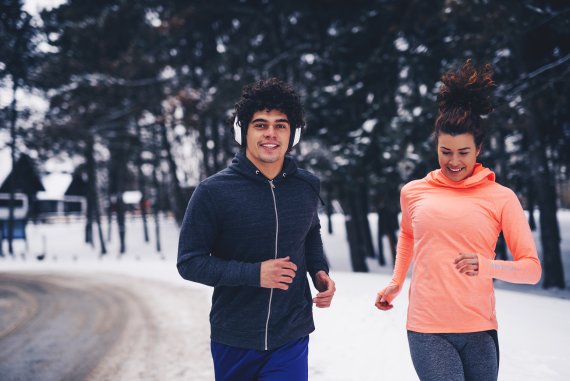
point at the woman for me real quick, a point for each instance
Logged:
(450, 223)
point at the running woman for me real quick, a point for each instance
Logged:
(450, 223)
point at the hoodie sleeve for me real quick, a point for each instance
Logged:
(198, 235)
(525, 268)
(405, 248)
(314, 253)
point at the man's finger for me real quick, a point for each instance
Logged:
(325, 294)
(285, 279)
(286, 263)
(281, 286)
(289, 273)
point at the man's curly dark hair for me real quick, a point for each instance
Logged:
(269, 94)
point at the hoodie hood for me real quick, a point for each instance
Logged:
(481, 175)
(242, 165)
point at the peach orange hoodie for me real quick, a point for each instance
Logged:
(442, 218)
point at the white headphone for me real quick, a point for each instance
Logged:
(239, 135)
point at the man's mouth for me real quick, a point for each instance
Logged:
(270, 145)
(454, 170)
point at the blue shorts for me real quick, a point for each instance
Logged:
(286, 363)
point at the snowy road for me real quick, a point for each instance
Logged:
(165, 331)
(56, 326)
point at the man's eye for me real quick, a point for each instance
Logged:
(281, 126)
(445, 153)
(259, 125)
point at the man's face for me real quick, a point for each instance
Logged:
(267, 138)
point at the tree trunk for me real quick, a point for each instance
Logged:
(329, 212)
(89, 218)
(530, 194)
(118, 172)
(363, 207)
(530, 204)
(157, 193)
(121, 221)
(204, 147)
(546, 200)
(381, 232)
(357, 252)
(13, 118)
(109, 216)
(179, 204)
(99, 228)
(142, 203)
(92, 194)
(217, 144)
(156, 208)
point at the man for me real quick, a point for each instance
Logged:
(252, 232)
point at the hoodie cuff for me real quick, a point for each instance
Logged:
(393, 296)
(485, 268)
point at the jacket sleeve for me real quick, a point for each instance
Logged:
(525, 268)
(405, 248)
(198, 235)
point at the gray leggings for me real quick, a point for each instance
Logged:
(455, 356)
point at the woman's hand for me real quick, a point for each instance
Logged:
(384, 298)
(467, 264)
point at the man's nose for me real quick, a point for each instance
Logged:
(270, 131)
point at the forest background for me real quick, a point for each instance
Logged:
(137, 95)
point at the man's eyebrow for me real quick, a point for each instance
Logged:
(258, 120)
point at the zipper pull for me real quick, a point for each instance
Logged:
(271, 183)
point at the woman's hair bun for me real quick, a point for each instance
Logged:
(468, 89)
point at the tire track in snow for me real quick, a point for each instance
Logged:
(56, 326)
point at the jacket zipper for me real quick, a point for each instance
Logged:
(275, 257)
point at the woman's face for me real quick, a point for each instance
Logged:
(457, 155)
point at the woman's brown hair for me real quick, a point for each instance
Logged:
(463, 97)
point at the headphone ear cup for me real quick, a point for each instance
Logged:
(297, 137)
(237, 132)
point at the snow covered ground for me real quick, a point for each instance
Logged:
(353, 340)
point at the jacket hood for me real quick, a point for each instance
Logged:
(481, 175)
(242, 165)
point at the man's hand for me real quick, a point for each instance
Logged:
(467, 264)
(277, 273)
(326, 288)
(384, 298)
